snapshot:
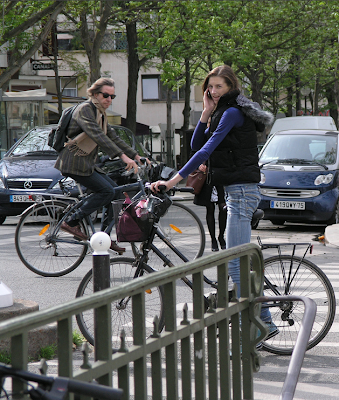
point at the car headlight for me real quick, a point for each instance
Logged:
(326, 179)
(262, 178)
(2, 185)
(68, 182)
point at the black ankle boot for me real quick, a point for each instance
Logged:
(222, 243)
(215, 245)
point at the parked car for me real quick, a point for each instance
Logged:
(303, 122)
(28, 167)
(300, 177)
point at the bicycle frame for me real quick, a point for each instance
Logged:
(148, 245)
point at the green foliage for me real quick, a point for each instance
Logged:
(5, 358)
(275, 47)
(48, 352)
(78, 339)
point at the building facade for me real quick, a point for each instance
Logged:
(151, 95)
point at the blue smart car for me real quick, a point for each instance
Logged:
(299, 177)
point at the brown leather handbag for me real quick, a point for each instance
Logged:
(196, 180)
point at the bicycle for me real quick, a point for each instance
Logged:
(48, 251)
(286, 274)
(50, 388)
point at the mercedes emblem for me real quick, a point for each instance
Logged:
(28, 184)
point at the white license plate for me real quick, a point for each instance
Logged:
(290, 205)
(21, 198)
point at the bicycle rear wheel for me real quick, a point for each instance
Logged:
(183, 228)
(43, 249)
(287, 275)
(122, 270)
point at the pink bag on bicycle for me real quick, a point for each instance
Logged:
(134, 222)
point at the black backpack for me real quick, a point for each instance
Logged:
(58, 136)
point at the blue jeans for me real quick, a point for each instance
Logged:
(103, 190)
(241, 201)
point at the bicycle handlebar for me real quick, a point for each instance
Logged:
(60, 386)
(175, 189)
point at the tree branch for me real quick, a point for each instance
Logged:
(30, 22)
(41, 38)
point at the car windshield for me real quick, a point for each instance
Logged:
(132, 141)
(35, 141)
(294, 148)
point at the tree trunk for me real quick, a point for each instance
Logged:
(187, 109)
(297, 94)
(316, 96)
(289, 102)
(56, 70)
(92, 41)
(256, 87)
(169, 134)
(133, 74)
(332, 105)
(57, 83)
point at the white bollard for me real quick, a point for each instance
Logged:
(6, 296)
(100, 243)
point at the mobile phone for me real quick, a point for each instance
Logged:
(209, 94)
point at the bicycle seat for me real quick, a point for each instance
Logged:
(258, 214)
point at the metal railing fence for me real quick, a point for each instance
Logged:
(217, 362)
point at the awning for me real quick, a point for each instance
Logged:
(26, 95)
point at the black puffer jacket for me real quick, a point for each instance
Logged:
(235, 160)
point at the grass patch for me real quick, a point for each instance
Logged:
(5, 358)
(48, 352)
(78, 339)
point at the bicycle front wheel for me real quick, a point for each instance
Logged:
(122, 270)
(287, 275)
(43, 249)
(183, 228)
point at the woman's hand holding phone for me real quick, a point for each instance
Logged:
(208, 106)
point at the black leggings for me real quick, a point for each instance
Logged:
(210, 219)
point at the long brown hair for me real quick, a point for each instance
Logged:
(226, 72)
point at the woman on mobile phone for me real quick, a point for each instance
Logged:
(229, 144)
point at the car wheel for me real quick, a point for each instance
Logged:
(277, 221)
(2, 219)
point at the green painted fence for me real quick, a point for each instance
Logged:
(200, 345)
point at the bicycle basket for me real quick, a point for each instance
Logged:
(133, 221)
